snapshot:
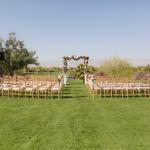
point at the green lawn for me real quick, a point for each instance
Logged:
(75, 122)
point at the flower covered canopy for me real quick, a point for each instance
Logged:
(67, 58)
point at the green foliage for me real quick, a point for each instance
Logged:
(91, 69)
(117, 67)
(71, 72)
(1, 43)
(17, 56)
(40, 70)
(79, 71)
(143, 68)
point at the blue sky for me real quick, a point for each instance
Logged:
(97, 28)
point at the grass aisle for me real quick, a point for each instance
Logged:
(75, 122)
(75, 89)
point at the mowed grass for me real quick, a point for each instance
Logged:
(75, 122)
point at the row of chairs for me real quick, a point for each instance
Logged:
(122, 89)
(19, 86)
(125, 87)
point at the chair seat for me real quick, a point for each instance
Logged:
(55, 89)
(6, 88)
(29, 89)
(43, 88)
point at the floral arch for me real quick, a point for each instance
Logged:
(67, 58)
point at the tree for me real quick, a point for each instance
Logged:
(72, 72)
(80, 71)
(17, 56)
(145, 68)
(1, 43)
(117, 67)
(91, 69)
